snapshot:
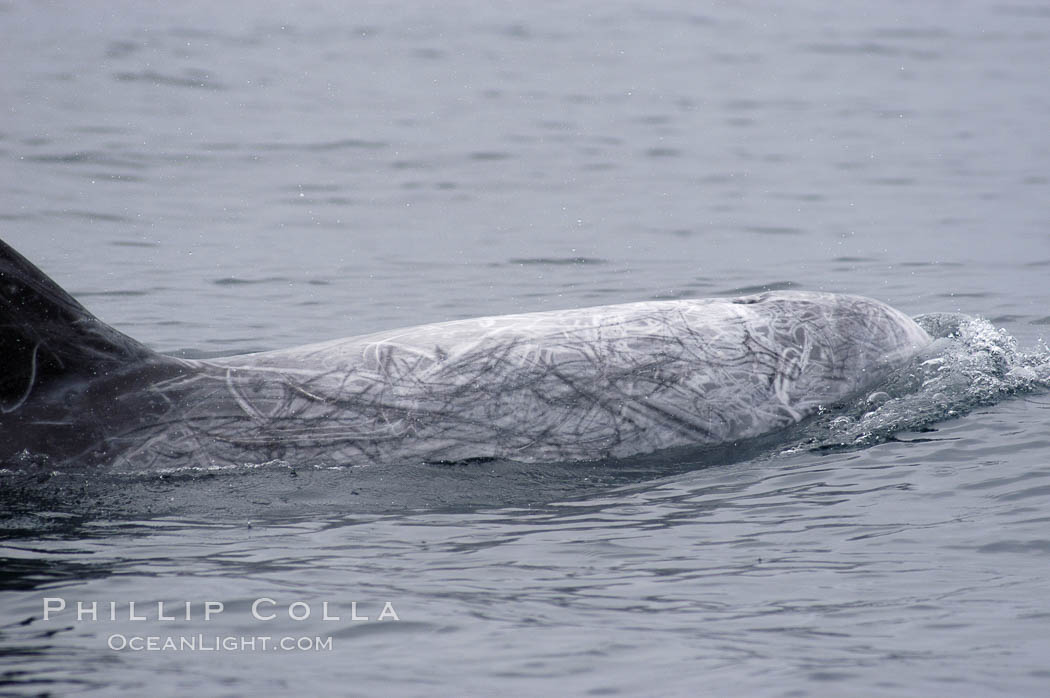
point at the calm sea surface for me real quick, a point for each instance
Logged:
(227, 177)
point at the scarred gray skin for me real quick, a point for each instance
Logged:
(570, 385)
(567, 385)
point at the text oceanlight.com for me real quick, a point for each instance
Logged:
(217, 643)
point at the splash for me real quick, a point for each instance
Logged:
(970, 364)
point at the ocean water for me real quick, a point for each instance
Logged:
(217, 178)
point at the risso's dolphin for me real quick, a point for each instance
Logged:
(566, 385)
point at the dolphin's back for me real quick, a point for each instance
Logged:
(579, 384)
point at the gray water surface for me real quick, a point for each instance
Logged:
(218, 178)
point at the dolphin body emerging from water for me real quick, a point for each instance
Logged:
(566, 385)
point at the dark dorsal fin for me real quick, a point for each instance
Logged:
(46, 335)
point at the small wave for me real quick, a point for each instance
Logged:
(970, 364)
(870, 48)
(91, 216)
(113, 294)
(134, 243)
(321, 146)
(556, 261)
(490, 155)
(237, 281)
(86, 157)
(773, 230)
(195, 470)
(761, 288)
(192, 79)
(662, 153)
